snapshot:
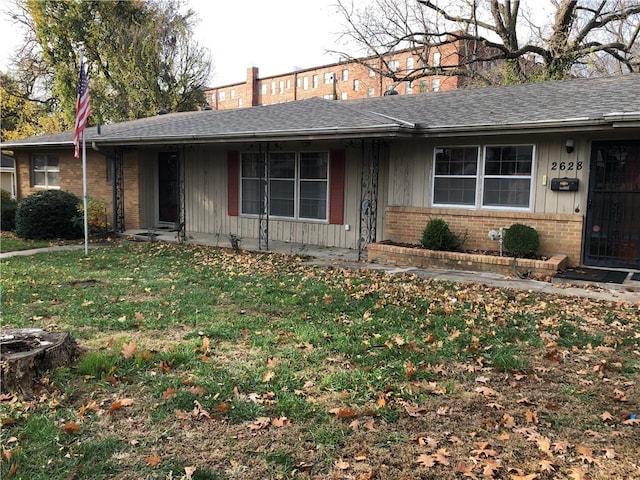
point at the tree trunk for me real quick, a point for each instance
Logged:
(27, 352)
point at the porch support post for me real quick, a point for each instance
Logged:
(370, 153)
(263, 214)
(182, 216)
(117, 180)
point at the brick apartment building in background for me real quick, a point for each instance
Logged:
(349, 79)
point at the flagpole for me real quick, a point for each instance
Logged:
(84, 195)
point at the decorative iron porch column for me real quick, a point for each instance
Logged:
(182, 215)
(117, 187)
(370, 152)
(264, 189)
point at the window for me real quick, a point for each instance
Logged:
(45, 171)
(288, 83)
(343, 95)
(297, 184)
(424, 86)
(328, 78)
(372, 72)
(436, 59)
(435, 85)
(409, 88)
(273, 87)
(305, 83)
(409, 64)
(371, 92)
(345, 75)
(505, 179)
(455, 176)
(315, 81)
(394, 65)
(222, 96)
(233, 94)
(356, 85)
(281, 86)
(263, 89)
(507, 176)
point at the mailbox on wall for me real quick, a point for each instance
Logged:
(565, 184)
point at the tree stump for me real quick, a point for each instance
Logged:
(27, 352)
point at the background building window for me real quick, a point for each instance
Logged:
(356, 85)
(328, 78)
(345, 75)
(315, 81)
(45, 171)
(371, 92)
(455, 176)
(409, 64)
(436, 59)
(435, 85)
(305, 83)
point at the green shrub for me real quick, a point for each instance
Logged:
(521, 240)
(438, 236)
(8, 211)
(48, 214)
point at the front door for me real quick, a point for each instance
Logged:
(168, 188)
(612, 230)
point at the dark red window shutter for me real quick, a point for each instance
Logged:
(336, 187)
(233, 183)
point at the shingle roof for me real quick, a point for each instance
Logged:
(568, 102)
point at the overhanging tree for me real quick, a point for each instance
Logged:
(140, 56)
(584, 36)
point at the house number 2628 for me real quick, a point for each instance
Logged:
(566, 165)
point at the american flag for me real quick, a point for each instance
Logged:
(83, 108)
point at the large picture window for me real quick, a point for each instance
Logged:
(504, 180)
(297, 184)
(45, 171)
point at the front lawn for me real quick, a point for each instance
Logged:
(204, 363)
(10, 243)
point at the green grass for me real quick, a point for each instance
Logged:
(244, 336)
(11, 243)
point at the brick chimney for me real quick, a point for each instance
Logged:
(252, 88)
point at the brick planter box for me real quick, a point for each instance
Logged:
(419, 257)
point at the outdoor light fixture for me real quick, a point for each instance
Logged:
(569, 144)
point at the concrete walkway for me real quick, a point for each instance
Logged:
(629, 291)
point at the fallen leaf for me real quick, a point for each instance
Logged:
(341, 465)
(531, 476)
(578, 474)
(610, 453)
(125, 402)
(189, 471)
(260, 423)
(586, 454)
(70, 428)
(168, 393)
(607, 417)
(546, 466)
(344, 412)
(268, 376)
(426, 461)
(129, 350)
(281, 422)
(153, 461)
(544, 444)
(12, 471)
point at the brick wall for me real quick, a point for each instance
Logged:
(559, 234)
(99, 185)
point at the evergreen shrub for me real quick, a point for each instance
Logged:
(48, 214)
(438, 236)
(521, 240)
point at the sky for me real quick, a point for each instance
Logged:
(277, 36)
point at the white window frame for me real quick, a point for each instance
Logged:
(305, 83)
(297, 189)
(263, 89)
(328, 78)
(314, 81)
(222, 95)
(394, 65)
(505, 176)
(345, 74)
(46, 169)
(356, 85)
(410, 64)
(476, 176)
(435, 85)
(371, 92)
(481, 177)
(437, 59)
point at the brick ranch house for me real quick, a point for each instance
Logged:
(563, 157)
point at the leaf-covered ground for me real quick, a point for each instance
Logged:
(204, 363)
